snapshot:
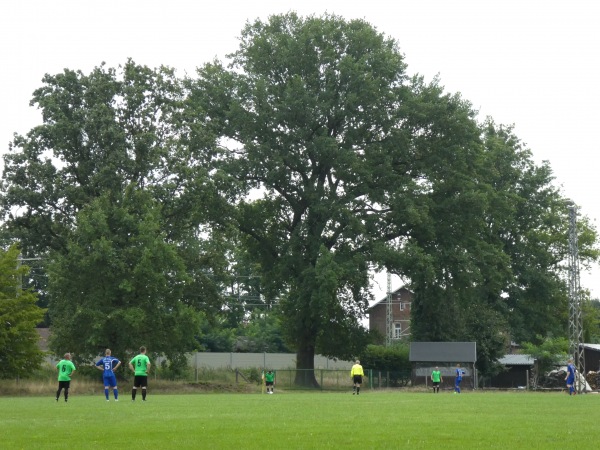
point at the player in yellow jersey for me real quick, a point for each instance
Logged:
(356, 374)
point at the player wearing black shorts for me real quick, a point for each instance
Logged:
(357, 375)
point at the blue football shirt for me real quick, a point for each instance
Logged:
(108, 362)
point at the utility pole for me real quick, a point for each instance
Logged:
(575, 314)
(20, 260)
(389, 319)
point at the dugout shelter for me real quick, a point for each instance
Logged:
(424, 356)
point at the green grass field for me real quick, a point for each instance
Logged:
(373, 420)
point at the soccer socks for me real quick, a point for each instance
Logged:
(134, 391)
(116, 393)
(106, 393)
(357, 390)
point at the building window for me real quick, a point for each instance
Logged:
(401, 306)
(397, 330)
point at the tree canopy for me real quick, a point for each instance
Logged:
(103, 190)
(306, 162)
(356, 165)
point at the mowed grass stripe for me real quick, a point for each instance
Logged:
(377, 420)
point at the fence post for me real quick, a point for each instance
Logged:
(196, 365)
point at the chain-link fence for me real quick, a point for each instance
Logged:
(339, 380)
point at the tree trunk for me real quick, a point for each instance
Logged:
(305, 366)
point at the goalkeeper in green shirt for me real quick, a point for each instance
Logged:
(436, 378)
(270, 381)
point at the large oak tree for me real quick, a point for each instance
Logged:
(346, 157)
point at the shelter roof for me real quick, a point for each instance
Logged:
(517, 360)
(595, 347)
(455, 352)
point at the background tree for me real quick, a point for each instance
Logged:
(121, 283)
(505, 276)
(19, 350)
(534, 232)
(550, 353)
(591, 318)
(104, 176)
(349, 156)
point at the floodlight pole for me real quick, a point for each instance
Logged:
(575, 314)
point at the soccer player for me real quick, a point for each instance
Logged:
(270, 381)
(140, 365)
(458, 379)
(65, 369)
(108, 365)
(436, 378)
(356, 374)
(570, 378)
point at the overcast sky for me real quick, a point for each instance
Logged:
(533, 64)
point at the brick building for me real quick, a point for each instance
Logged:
(401, 304)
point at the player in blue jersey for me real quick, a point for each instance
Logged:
(108, 365)
(458, 378)
(570, 378)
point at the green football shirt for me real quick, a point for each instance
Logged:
(270, 377)
(436, 376)
(140, 364)
(65, 369)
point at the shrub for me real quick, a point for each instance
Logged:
(393, 359)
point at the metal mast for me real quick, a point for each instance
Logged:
(575, 314)
(389, 317)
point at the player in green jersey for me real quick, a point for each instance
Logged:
(270, 381)
(140, 365)
(436, 378)
(65, 369)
